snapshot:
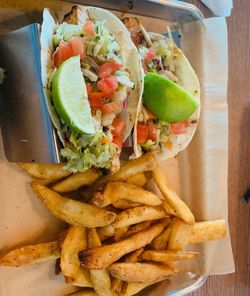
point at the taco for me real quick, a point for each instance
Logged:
(92, 83)
(160, 56)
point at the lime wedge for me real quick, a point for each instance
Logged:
(167, 100)
(70, 97)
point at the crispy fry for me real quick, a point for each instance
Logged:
(104, 256)
(31, 254)
(161, 241)
(124, 204)
(178, 205)
(138, 180)
(116, 286)
(76, 181)
(113, 191)
(139, 214)
(87, 292)
(180, 235)
(169, 209)
(134, 256)
(120, 232)
(46, 171)
(74, 273)
(100, 278)
(208, 230)
(72, 211)
(136, 228)
(167, 256)
(139, 272)
(105, 232)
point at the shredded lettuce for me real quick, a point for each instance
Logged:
(65, 31)
(149, 145)
(123, 79)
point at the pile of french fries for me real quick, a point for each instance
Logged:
(121, 237)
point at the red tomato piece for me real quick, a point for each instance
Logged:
(152, 131)
(78, 47)
(89, 28)
(89, 88)
(118, 127)
(62, 53)
(150, 55)
(95, 99)
(179, 127)
(108, 84)
(108, 68)
(142, 133)
(115, 107)
(118, 140)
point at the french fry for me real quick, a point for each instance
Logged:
(138, 180)
(76, 181)
(100, 278)
(72, 211)
(207, 231)
(113, 191)
(31, 254)
(120, 232)
(105, 232)
(124, 204)
(167, 256)
(87, 292)
(134, 256)
(169, 209)
(139, 272)
(161, 241)
(117, 286)
(139, 214)
(180, 235)
(46, 171)
(102, 257)
(136, 228)
(131, 168)
(178, 205)
(74, 273)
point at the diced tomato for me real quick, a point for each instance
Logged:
(89, 28)
(95, 99)
(115, 107)
(179, 127)
(118, 126)
(118, 140)
(152, 131)
(142, 133)
(108, 68)
(150, 55)
(108, 84)
(78, 46)
(62, 53)
(89, 88)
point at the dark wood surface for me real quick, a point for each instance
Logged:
(237, 284)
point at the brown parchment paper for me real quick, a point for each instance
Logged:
(199, 174)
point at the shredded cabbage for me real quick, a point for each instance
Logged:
(65, 31)
(123, 79)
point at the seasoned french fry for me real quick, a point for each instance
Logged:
(138, 180)
(180, 235)
(113, 191)
(31, 254)
(169, 209)
(72, 211)
(76, 181)
(116, 286)
(167, 256)
(105, 232)
(74, 273)
(134, 256)
(124, 204)
(102, 257)
(178, 205)
(119, 233)
(136, 228)
(87, 292)
(131, 168)
(100, 278)
(139, 214)
(161, 241)
(139, 272)
(45, 171)
(208, 230)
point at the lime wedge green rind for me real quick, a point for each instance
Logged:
(167, 100)
(70, 97)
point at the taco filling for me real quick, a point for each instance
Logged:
(108, 86)
(161, 56)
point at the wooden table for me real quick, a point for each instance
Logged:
(237, 284)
